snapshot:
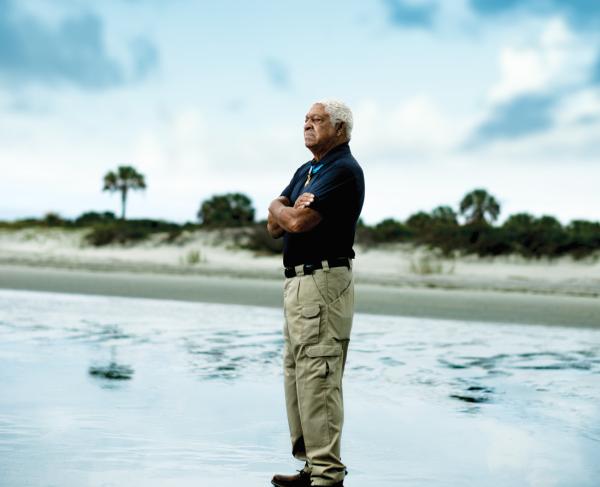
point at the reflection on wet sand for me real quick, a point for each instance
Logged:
(195, 391)
(113, 370)
(229, 354)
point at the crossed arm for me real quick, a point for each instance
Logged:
(285, 218)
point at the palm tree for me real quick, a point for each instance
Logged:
(479, 206)
(124, 179)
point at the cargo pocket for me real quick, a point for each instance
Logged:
(340, 313)
(329, 355)
(311, 323)
(321, 400)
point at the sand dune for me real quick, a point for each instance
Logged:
(213, 253)
(395, 280)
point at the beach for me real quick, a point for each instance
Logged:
(457, 304)
(389, 280)
(112, 391)
(222, 253)
(140, 356)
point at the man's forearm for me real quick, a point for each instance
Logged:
(293, 220)
(275, 214)
(273, 227)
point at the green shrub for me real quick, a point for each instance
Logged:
(93, 217)
(117, 232)
(419, 223)
(193, 256)
(52, 219)
(226, 210)
(583, 238)
(534, 237)
(390, 230)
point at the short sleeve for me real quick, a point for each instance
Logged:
(289, 189)
(287, 192)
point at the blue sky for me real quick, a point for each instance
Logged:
(210, 97)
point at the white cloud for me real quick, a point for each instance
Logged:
(556, 60)
(514, 450)
(409, 146)
(175, 146)
(572, 139)
(417, 128)
(578, 107)
(556, 65)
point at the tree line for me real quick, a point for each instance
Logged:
(471, 230)
(468, 229)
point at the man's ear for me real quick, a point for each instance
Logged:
(340, 128)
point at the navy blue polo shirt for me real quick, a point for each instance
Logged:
(339, 189)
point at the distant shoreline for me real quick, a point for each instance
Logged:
(393, 279)
(219, 254)
(463, 304)
(273, 270)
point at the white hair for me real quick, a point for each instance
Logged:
(338, 112)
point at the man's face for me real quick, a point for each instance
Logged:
(318, 129)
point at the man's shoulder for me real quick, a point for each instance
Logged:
(340, 175)
(302, 168)
(343, 156)
(348, 165)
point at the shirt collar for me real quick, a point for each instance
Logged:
(334, 153)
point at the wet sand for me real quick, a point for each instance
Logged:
(465, 305)
(110, 391)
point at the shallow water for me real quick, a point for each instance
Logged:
(102, 391)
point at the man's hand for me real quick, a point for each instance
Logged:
(304, 200)
(272, 226)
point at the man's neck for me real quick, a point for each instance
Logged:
(319, 153)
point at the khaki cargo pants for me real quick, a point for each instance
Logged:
(318, 318)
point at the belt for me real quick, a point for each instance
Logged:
(306, 269)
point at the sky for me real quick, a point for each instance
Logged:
(206, 98)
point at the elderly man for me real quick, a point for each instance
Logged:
(317, 214)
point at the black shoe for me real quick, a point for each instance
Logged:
(301, 479)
